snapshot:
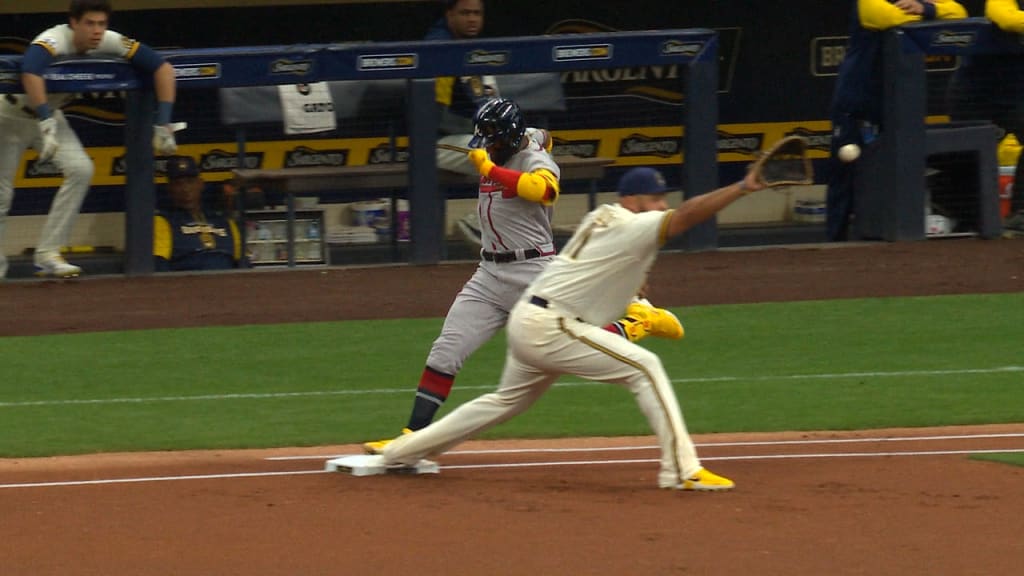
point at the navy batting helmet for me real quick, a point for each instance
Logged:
(499, 124)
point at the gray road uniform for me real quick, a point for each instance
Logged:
(517, 245)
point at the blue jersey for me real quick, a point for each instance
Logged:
(184, 240)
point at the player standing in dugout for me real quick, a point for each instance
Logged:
(35, 119)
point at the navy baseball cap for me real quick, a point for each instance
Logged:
(642, 180)
(181, 167)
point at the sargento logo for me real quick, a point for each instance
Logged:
(196, 71)
(387, 61)
(581, 148)
(299, 67)
(485, 58)
(305, 156)
(679, 48)
(816, 139)
(740, 143)
(382, 154)
(950, 38)
(582, 52)
(641, 145)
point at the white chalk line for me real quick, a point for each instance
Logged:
(236, 475)
(701, 445)
(565, 384)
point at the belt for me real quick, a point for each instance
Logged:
(538, 301)
(502, 257)
(24, 109)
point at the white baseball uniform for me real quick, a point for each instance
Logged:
(556, 328)
(19, 129)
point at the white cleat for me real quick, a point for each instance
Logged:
(56, 267)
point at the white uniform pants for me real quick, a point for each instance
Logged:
(16, 135)
(543, 345)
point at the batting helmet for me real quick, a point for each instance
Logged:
(499, 125)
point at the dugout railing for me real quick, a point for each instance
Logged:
(417, 64)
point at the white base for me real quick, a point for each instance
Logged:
(371, 465)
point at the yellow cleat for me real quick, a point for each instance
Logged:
(643, 319)
(377, 446)
(705, 481)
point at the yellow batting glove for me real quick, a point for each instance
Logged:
(480, 160)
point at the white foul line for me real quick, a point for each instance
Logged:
(574, 463)
(700, 445)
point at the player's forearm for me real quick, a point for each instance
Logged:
(695, 210)
(539, 186)
(35, 89)
(1006, 14)
(164, 83)
(881, 15)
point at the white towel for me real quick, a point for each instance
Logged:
(307, 108)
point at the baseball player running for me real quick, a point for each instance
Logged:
(34, 119)
(556, 329)
(518, 185)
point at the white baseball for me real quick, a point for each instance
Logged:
(849, 152)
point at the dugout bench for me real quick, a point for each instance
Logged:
(393, 177)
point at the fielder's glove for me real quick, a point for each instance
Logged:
(479, 158)
(48, 134)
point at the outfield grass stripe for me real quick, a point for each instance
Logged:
(314, 393)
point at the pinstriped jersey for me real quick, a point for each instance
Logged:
(508, 222)
(59, 41)
(604, 264)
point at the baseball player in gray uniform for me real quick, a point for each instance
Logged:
(34, 119)
(518, 185)
(556, 328)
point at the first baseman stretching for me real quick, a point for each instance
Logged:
(557, 328)
(34, 119)
(519, 181)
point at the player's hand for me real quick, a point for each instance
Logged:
(914, 7)
(481, 161)
(48, 135)
(750, 182)
(163, 138)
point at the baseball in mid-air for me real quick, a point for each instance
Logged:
(849, 152)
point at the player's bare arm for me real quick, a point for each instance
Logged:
(695, 210)
(164, 83)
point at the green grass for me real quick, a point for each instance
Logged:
(846, 364)
(1012, 458)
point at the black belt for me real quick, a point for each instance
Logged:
(538, 301)
(501, 257)
(14, 102)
